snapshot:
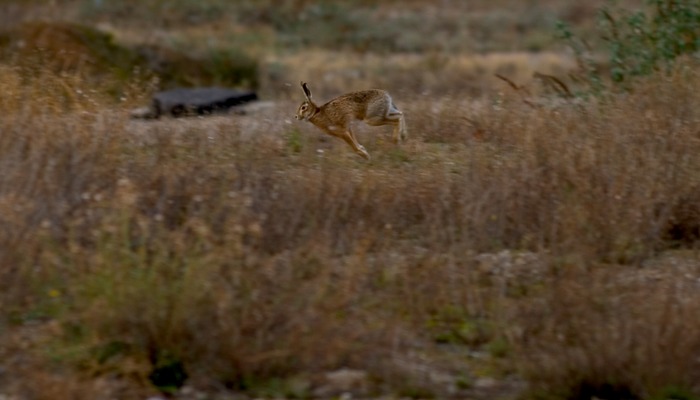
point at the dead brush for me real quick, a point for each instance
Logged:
(550, 85)
(612, 331)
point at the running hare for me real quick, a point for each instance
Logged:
(374, 107)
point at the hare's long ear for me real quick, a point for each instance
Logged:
(307, 92)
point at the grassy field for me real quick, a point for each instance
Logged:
(514, 247)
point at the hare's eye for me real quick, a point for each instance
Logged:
(303, 108)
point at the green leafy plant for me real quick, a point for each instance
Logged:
(637, 43)
(295, 141)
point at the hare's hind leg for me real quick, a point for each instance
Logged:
(400, 130)
(400, 127)
(391, 117)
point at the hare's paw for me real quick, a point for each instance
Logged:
(363, 152)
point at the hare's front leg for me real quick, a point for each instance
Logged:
(359, 149)
(346, 134)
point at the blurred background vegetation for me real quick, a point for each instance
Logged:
(246, 43)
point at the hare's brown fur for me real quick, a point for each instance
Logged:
(375, 107)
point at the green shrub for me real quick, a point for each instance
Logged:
(637, 43)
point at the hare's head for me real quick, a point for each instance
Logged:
(308, 108)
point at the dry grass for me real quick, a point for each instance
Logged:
(614, 333)
(236, 250)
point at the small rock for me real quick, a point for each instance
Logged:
(485, 383)
(343, 382)
(142, 113)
